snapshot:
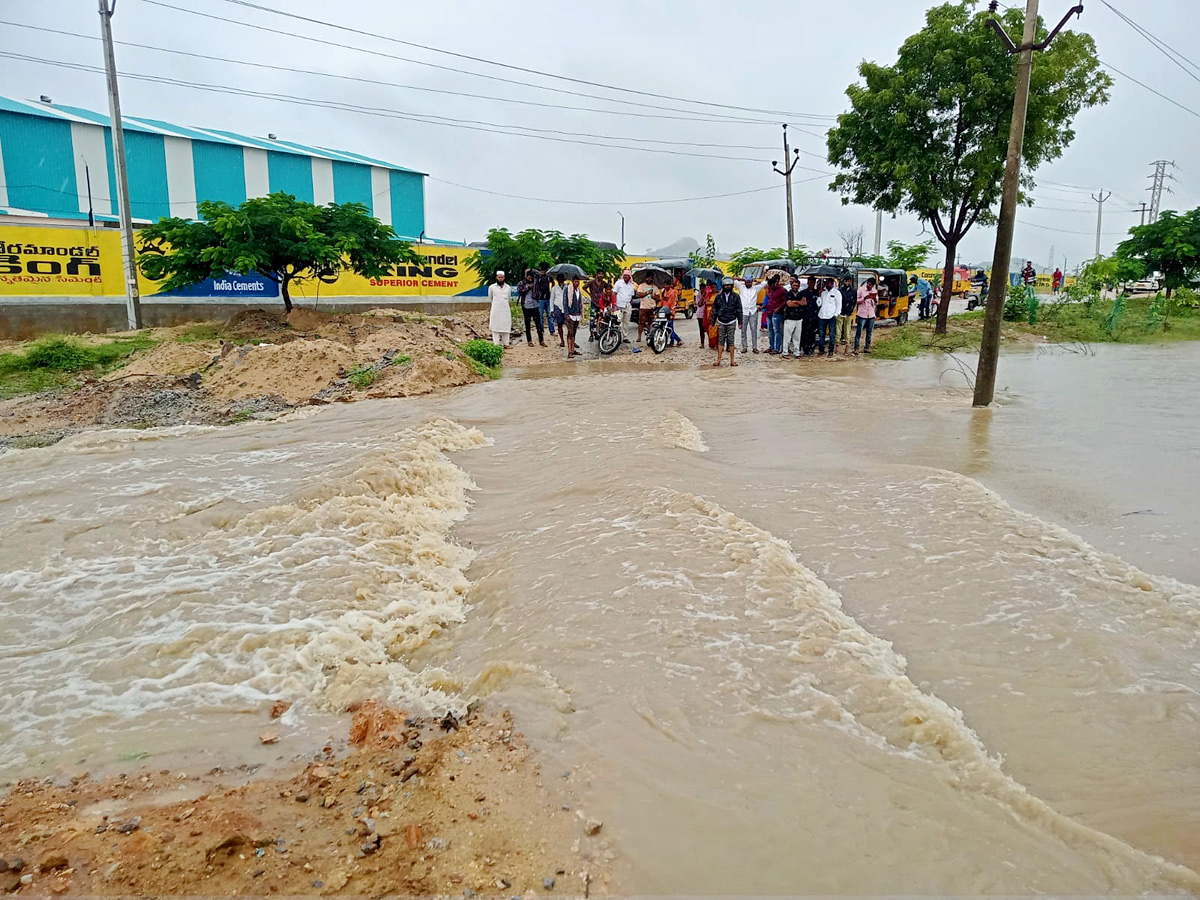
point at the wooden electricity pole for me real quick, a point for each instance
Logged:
(989, 351)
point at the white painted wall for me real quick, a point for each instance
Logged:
(181, 177)
(322, 175)
(90, 152)
(258, 179)
(381, 195)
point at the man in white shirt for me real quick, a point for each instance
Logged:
(829, 307)
(749, 291)
(500, 318)
(624, 290)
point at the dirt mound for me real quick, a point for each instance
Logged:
(169, 358)
(444, 813)
(258, 323)
(425, 373)
(294, 371)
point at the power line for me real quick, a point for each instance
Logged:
(419, 62)
(1161, 46)
(411, 87)
(445, 121)
(1150, 89)
(513, 68)
(760, 190)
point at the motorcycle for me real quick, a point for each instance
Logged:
(660, 330)
(607, 330)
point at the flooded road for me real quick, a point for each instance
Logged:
(799, 634)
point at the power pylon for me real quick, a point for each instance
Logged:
(1160, 178)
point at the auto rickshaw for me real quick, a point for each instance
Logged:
(687, 290)
(758, 270)
(893, 293)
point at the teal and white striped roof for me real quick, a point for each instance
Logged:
(157, 126)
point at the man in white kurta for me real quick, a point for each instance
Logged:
(500, 321)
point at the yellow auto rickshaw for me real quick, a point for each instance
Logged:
(687, 290)
(892, 284)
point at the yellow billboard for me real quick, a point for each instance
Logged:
(59, 262)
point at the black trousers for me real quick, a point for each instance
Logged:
(808, 335)
(533, 315)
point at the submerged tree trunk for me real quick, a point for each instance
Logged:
(287, 297)
(947, 288)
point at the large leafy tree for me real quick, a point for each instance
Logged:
(1171, 246)
(514, 253)
(799, 254)
(279, 237)
(929, 134)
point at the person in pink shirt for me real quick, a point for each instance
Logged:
(868, 298)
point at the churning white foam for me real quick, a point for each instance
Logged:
(319, 599)
(675, 430)
(846, 675)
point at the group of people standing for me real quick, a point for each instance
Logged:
(803, 317)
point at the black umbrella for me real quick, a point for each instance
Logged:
(822, 271)
(709, 274)
(569, 269)
(653, 274)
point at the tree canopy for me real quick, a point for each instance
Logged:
(747, 255)
(278, 237)
(901, 256)
(1171, 246)
(929, 135)
(514, 253)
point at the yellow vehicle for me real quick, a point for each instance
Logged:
(687, 291)
(893, 293)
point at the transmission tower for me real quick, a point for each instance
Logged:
(1160, 178)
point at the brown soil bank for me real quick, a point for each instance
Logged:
(417, 808)
(257, 364)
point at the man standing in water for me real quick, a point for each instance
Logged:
(727, 310)
(500, 318)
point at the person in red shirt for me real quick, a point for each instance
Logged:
(703, 308)
(773, 307)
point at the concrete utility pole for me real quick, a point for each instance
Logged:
(989, 351)
(1143, 209)
(789, 163)
(1100, 216)
(878, 230)
(133, 300)
(1159, 187)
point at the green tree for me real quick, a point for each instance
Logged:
(929, 134)
(908, 256)
(1171, 246)
(706, 258)
(747, 255)
(278, 237)
(514, 253)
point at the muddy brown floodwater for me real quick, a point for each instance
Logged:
(835, 634)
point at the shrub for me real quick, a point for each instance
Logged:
(484, 352)
(362, 377)
(59, 355)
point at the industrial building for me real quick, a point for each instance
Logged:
(55, 165)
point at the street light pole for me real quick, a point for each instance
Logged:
(133, 300)
(989, 351)
(622, 215)
(789, 161)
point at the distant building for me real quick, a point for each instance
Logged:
(55, 166)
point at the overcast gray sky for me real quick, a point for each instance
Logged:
(749, 55)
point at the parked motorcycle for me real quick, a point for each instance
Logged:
(608, 331)
(660, 330)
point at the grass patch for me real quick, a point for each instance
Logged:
(484, 351)
(362, 377)
(201, 331)
(905, 341)
(52, 362)
(492, 372)
(402, 360)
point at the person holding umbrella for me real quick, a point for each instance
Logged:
(573, 307)
(500, 318)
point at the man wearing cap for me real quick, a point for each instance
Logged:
(500, 319)
(727, 310)
(624, 290)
